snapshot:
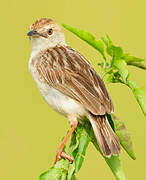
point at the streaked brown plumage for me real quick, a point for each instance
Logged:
(66, 70)
(70, 73)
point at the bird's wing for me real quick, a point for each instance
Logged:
(67, 71)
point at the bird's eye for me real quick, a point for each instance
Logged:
(50, 31)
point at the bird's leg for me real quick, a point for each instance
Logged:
(60, 154)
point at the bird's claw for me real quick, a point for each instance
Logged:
(61, 154)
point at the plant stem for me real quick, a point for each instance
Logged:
(132, 85)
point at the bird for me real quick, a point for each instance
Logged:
(70, 85)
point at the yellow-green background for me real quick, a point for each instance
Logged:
(29, 130)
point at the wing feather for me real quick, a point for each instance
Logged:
(70, 73)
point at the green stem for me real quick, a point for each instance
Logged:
(139, 93)
(132, 85)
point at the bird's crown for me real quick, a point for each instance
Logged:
(41, 22)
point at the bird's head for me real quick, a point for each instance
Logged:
(45, 33)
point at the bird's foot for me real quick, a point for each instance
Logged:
(61, 154)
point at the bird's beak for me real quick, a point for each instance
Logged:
(35, 33)
(32, 33)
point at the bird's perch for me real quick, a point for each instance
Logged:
(77, 148)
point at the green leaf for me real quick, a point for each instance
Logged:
(107, 40)
(84, 140)
(134, 61)
(73, 145)
(123, 136)
(79, 143)
(129, 58)
(140, 94)
(88, 37)
(115, 166)
(141, 65)
(121, 66)
(58, 172)
(71, 171)
(115, 51)
(73, 177)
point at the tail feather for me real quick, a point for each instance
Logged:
(106, 138)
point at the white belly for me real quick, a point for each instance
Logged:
(62, 103)
(57, 100)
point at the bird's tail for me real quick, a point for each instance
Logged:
(106, 138)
